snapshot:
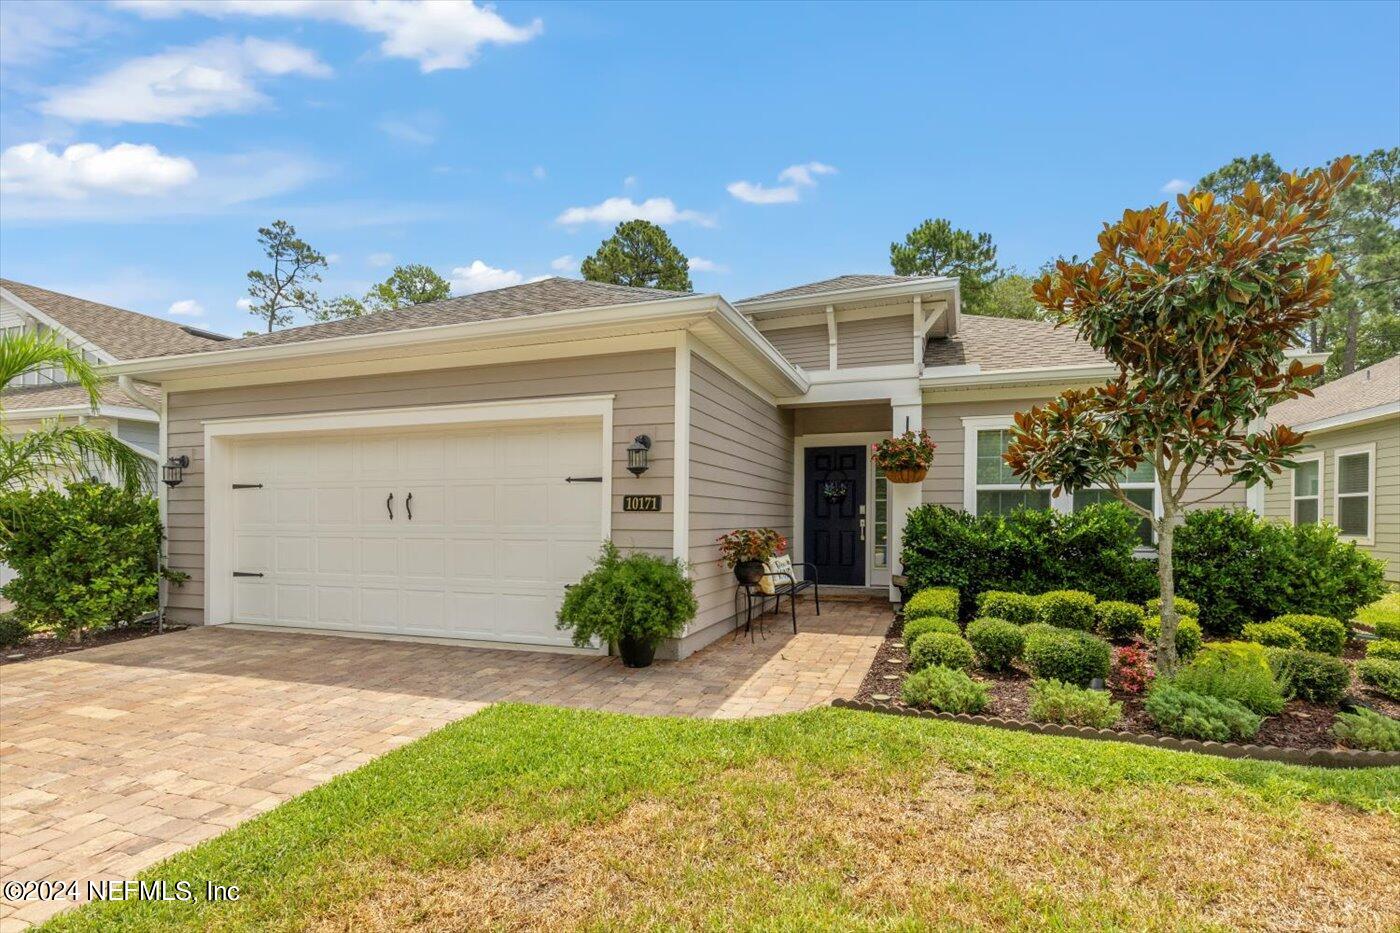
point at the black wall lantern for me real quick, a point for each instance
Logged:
(173, 473)
(637, 454)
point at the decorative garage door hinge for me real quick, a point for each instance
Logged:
(247, 485)
(583, 479)
(245, 573)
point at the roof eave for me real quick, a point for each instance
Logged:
(860, 293)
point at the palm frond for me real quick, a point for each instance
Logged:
(25, 352)
(58, 451)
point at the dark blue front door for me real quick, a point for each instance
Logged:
(834, 516)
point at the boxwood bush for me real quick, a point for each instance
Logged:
(936, 602)
(940, 649)
(1068, 705)
(1066, 609)
(1237, 670)
(945, 690)
(1320, 633)
(1387, 627)
(996, 641)
(1117, 619)
(1381, 674)
(1240, 568)
(1188, 634)
(913, 629)
(1274, 634)
(12, 630)
(1386, 648)
(1184, 607)
(1196, 716)
(1028, 551)
(1383, 616)
(1367, 729)
(1308, 675)
(1013, 607)
(1063, 654)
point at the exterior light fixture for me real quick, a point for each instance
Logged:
(173, 472)
(638, 453)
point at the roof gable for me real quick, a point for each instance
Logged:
(1377, 384)
(1000, 343)
(836, 284)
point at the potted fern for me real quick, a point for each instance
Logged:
(905, 458)
(631, 603)
(745, 550)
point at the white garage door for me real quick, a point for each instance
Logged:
(461, 533)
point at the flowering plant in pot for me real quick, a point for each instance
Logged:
(746, 549)
(906, 458)
(631, 603)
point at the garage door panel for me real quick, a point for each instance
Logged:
(335, 555)
(335, 507)
(522, 505)
(379, 609)
(575, 506)
(529, 619)
(421, 455)
(521, 561)
(335, 458)
(472, 456)
(424, 557)
(252, 601)
(293, 507)
(471, 506)
(428, 508)
(570, 560)
(335, 606)
(525, 454)
(252, 507)
(293, 603)
(471, 559)
(294, 555)
(377, 458)
(375, 505)
(424, 612)
(253, 553)
(379, 557)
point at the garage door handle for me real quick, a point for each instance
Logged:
(389, 504)
(408, 505)
(245, 573)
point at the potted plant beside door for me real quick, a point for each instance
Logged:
(746, 550)
(905, 458)
(631, 603)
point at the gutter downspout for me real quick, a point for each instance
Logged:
(128, 387)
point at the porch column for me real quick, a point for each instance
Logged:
(908, 416)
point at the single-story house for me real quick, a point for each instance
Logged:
(445, 470)
(1350, 476)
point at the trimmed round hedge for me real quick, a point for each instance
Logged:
(1320, 633)
(996, 641)
(945, 690)
(1184, 607)
(1017, 608)
(913, 629)
(1381, 675)
(1063, 654)
(1274, 634)
(940, 649)
(1319, 678)
(1387, 649)
(1117, 619)
(1066, 609)
(939, 602)
(1188, 634)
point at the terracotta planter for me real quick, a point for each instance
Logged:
(915, 475)
(748, 571)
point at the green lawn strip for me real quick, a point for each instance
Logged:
(472, 789)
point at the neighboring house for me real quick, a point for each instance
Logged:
(502, 420)
(1350, 475)
(104, 335)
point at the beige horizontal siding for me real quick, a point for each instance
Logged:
(740, 477)
(808, 347)
(1278, 501)
(643, 385)
(880, 341)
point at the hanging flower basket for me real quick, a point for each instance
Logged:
(906, 458)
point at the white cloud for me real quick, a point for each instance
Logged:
(479, 277)
(379, 260)
(797, 177)
(435, 35)
(630, 181)
(697, 264)
(218, 76)
(80, 170)
(564, 264)
(32, 32)
(616, 210)
(332, 258)
(539, 173)
(186, 308)
(420, 128)
(1176, 186)
(244, 304)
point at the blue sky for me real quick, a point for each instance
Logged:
(144, 142)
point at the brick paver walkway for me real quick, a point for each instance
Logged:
(114, 758)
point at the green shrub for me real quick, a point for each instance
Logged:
(1188, 634)
(1236, 670)
(640, 597)
(1387, 627)
(1055, 701)
(1383, 616)
(1381, 674)
(1308, 675)
(1195, 716)
(1071, 656)
(1241, 568)
(1013, 607)
(912, 630)
(85, 558)
(1274, 634)
(12, 630)
(1320, 633)
(1117, 619)
(945, 690)
(996, 641)
(937, 602)
(1066, 609)
(1385, 648)
(1029, 630)
(940, 649)
(1184, 607)
(1367, 729)
(1028, 551)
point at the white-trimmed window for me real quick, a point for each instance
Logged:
(1307, 490)
(1354, 479)
(1139, 487)
(991, 488)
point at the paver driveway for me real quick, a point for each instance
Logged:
(114, 758)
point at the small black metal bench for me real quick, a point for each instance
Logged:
(786, 584)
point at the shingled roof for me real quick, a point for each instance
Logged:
(541, 297)
(19, 399)
(1366, 388)
(837, 284)
(126, 335)
(1009, 343)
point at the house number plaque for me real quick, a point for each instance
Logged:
(641, 503)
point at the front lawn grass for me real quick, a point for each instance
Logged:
(526, 817)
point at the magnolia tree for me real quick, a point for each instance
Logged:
(1196, 308)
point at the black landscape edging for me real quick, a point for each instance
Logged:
(1314, 757)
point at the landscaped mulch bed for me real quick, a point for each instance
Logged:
(44, 645)
(1301, 724)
